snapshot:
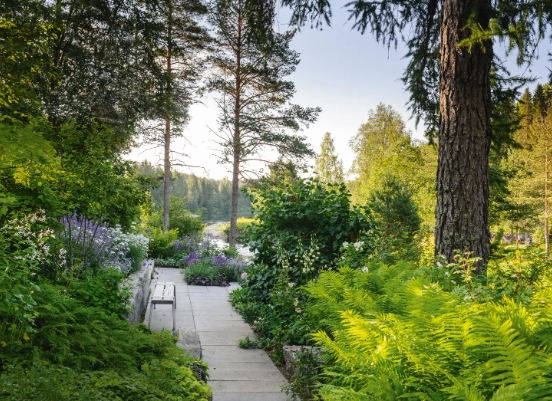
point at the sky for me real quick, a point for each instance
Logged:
(343, 72)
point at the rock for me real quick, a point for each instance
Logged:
(290, 355)
(188, 340)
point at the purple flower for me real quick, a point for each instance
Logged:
(219, 260)
(191, 258)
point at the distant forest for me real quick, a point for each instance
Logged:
(207, 197)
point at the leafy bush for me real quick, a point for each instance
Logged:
(168, 262)
(103, 289)
(242, 225)
(161, 242)
(300, 230)
(180, 219)
(80, 352)
(156, 380)
(23, 246)
(280, 321)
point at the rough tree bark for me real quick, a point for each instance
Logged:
(462, 220)
(546, 203)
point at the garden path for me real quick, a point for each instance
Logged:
(235, 374)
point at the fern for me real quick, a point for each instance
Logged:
(397, 337)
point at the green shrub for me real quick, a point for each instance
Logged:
(280, 321)
(203, 269)
(24, 244)
(175, 261)
(242, 225)
(156, 380)
(397, 221)
(103, 289)
(161, 242)
(300, 230)
(180, 219)
(205, 272)
(80, 352)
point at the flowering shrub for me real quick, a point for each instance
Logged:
(93, 245)
(354, 254)
(300, 230)
(191, 259)
(24, 244)
(208, 264)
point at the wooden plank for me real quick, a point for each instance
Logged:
(163, 293)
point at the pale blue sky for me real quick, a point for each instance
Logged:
(343, 72)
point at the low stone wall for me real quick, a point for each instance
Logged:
(139, 286)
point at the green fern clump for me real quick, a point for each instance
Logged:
(79, 352)
(390, 333)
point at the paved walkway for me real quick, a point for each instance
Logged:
(235, 374)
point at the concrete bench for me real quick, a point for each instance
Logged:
(164, 293)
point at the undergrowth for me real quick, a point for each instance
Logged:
(80, 352)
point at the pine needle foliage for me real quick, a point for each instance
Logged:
(390, 333)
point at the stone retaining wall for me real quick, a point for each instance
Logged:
(139, 286)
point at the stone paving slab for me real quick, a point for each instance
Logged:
(229, 338)
(245, 375)
(232, 353)
(206, 313)
(222, 318)
(249, 397)
(224, 325)
(207, 296)
(246, 366)
(236, 374)
(246, 386)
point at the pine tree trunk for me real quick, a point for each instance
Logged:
(232, 237)
(167, 175)
(167, 161)
(462, 220)
(546, 204)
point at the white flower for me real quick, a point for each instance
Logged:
(291, 285)
(345, 244)
(364, 269)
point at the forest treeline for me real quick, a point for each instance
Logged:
(519, 168)
(203, 196)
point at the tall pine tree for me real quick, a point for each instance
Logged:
(254, 98)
